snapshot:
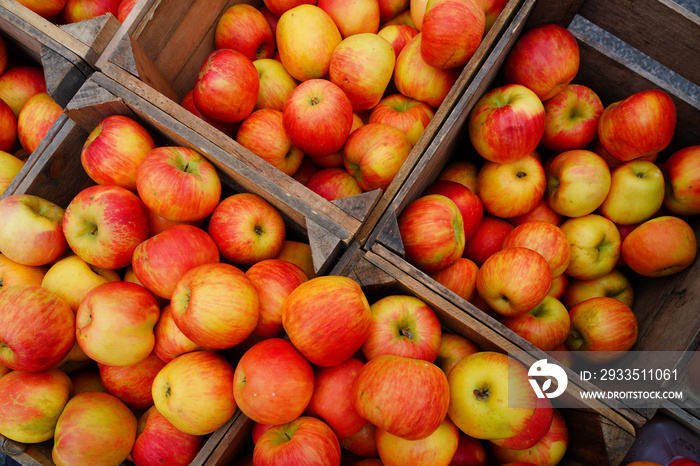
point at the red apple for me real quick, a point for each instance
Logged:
(452, 31)
(541, 212)
(362, 443)
(398, 35)
(19, 84)
(545, 238)
(298, 253)
(409, 115)
(492, 9)
(132, 383)
(453, 348)
(125, 7)
(80, 10)
(487, 240)
(170, 341)
(571, 119)
(229, 129)
(681, 174)
(8, 127)
(278, 7)
(36, 119)
(44, 8)
(470, 205)
(275, 84)
(436, 449)
(614, 285)
(470, 452)
(243, 27)
(549, 451)
(460, 278)
(353, 16)
(546, 326)
(13, 273)
(305, 440)
(334, 183)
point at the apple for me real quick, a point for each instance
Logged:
(194, 392)
(37, 328)
(415, 78)
(614, 284)
(275, 84)
(132, 383)
(406, 397)
(299, 254)
(86, 380)
(158, 441)
(71, 278)
(470, 205)
(362, 66)
(506, 123)
(559, 286)
(436, 449)
(306, 37)
(158, 224)
(114, 323)
(161, 260)
(541, 212)
(362, 443)
(44, 8)
(353, 16)
(571, 119)
(12, 273)
(595, 246)
(470, 452)
(227, 86)
(549, 451)
(374, 153)
(545, 238)
(403, 325)
(247, 229)
(452, 31)
(243, 27)
(278, 7)
(8, 127)
(514, 281)
(10, 167)
(94, 428)
(262, 132)
(389, 9)
(460, 278)
(114, 150)
(680, 173)
(178, 183)
(636, 193)
(661, 246)
(453, 348)
(409, 115)
(31, 403)
(487, 240)
(398, 35)
(546, 326)
(603, 327)
(35, 119)
(535, 430)
(639, 125)
(125, 7)
(327, 338)
(229, 129)
(417, 11)
(492, 9)
(80, 10)
(170, 341)
(19, 84)
(334, 183)
(318, 117)
(304, 440)
(510, 189)
(103, 225)
(578, 181)
(544, 59)
(332, 397)
(273, 382)
(613, 162)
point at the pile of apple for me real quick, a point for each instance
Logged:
(336, 93)
(564, 207)
(72, 11)
(107, 306)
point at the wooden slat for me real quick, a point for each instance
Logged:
(560, 12)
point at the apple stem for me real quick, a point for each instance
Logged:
(405, 332)
(288, 436)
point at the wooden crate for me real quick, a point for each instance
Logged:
(666, 308)
(163, 47)
(598, 435)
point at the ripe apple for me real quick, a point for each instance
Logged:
(12, 273)
(614, 284)
(374, 153)
(304, 440)
(604, 327)
(158, 441)
(44, 8)
(114, 323)
(470, 205)
(362, 443)
(595, 246)
(460, 278)
(353, 16)
(417, 11)
(398, 35)
(158, 224)
(94, 428)
(546, 326)
(306, 37)
(545, 238)
(544, 58)
(409, 115)
(541, 212)
(680, 174)
(571, 119)
(535, 430)
(227, 86)
(195, 392)
(487, 240)
(31, 402)
(275, 84)
(80, 10)
(506, 123)
(492, 9)
(132, 383)
(436, 449)
(170, 341)
(661, 246)
(278, 7)
(114, 150)
(103, 225)
(549, 451)
(178, 183)
(334, 183)
(510, 189)
(636, 193)
(452, 31)
(161, 260)
(10, 167)
(273, 382)
(299, 254)
(514, 281)
(490, 396)
(332, 397)
(247, 229)
(317, 117)
(578, 181)
(228, 129)
(389, 9)
(639, 125)
(37, 328)
(243, 27)
(8, 127)
(403, 325)
(470, 452)
(453, 348)
(125, 7)
(35, 119)
(415, 78)
(19, 84)
(406, 397)
(327, 338)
